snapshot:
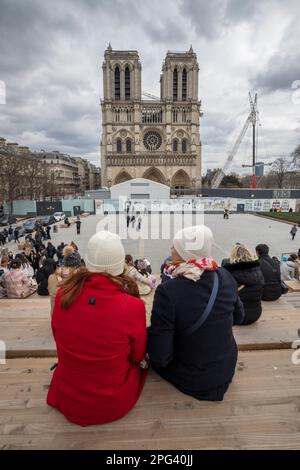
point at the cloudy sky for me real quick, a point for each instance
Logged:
(51, 55)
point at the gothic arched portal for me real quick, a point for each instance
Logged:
(154, 174)
(122, 177)
(181, 180)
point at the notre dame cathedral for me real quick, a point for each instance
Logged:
(154, 139)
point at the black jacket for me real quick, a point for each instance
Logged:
(272, 277)
(42, 279)
(202, 364)
(249, 275)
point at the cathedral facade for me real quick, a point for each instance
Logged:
(154, 139)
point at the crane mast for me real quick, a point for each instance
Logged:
(252, 118)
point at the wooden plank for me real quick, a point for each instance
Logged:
(27, 331)
(294, 285)
(261, 410)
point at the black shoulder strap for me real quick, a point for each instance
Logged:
(208, 308)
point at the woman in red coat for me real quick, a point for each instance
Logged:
(99, 325)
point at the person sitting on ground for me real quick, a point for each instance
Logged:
(99, 326)
(70, 265)
(4, 264)
(25, 265)
(16, 282)
(164, 273)
(145, 284)
(199, 359)
(43, 274)
(3, 269)
(271, 272)
(290, 269)
(245, 269)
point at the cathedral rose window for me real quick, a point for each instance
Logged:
(152, 140)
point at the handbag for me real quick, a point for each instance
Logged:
(191, 329)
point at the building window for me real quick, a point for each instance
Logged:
(152, 140)
(128, 146)
(175, 145)
(117, 84)
(119, 146)
(184, 84)
(127, 83)
(183, 146)
(175, 85)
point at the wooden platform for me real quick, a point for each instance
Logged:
(261, 410)
(25, 327)
(294, 285)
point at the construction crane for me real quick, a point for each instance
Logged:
(251, 119)
(152, 97)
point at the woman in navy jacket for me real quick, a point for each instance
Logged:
(203, 363)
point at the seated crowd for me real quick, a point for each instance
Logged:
(99, 318)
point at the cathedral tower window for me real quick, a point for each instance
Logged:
(119, 146)
(175, 145)
(175, 85)
(117, 84)
(184, 84)
(184, 146)
(127, 83)
(128, 146)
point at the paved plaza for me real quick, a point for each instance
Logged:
(155, 239)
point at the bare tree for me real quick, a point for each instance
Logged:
(279, 169)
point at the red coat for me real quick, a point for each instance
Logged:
(98, 378)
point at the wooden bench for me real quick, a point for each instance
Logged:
(25, 327)
(261, 410)
(294, 285)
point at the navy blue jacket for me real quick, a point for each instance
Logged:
(202, 364)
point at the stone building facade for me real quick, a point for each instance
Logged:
(153, 139)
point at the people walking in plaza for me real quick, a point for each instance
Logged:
(293, 231)
(226, 214)
(16, 235)
(78, 225)
(245, 269)
(48, 230)
(139, 223)
(10, 233)
(132, 221)
(128, 218)
(67, 222)
(190, 340)
(101, 323)
(271, 272)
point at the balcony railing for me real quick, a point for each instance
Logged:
(185, 159)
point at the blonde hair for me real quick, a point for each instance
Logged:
(241, 253)
(68, 250)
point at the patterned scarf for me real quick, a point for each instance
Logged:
(193, 269)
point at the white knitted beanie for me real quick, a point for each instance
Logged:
(194, 242)
(105, 254)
